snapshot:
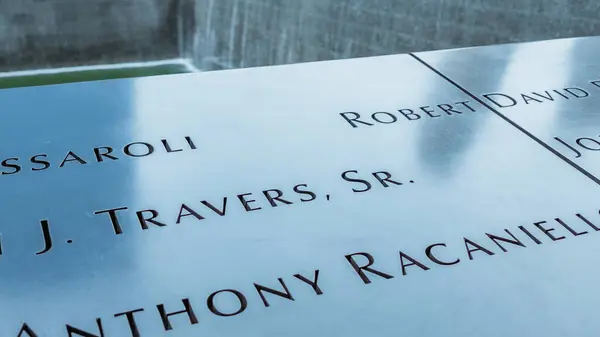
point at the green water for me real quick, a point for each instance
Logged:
(90, 75)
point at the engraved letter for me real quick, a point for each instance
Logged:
(189, 212)
(210, 302)
(221, 212)
(353, 119)
(75, 158)
(435, 259)
(366, 183)
(246, 203)
(143, 220)
(413, 262)
(190, 143)
(577, 153)
(590, 141)
(165, 316)
(16, 168)
(430, 112)
(547, 231)
(410, 115)
(112, 213)
(149, 149)
(570, 91)
(478, 247)
(514, 241)
(135, 332)
(278, 196)
(466, 105)
(26, 329)
(313, 284)
(387, 177)
(106, 154)
(35, 160)
(530, 235)
(167, 147)
(299, 191)
(571, 230)
(360, 270)
(392, 118)
(513, 102)
(285, 294)
(47, 237)
(587, 222)
(71, 330)
(527, 98)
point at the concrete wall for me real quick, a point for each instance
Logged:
(51, 33)
(245, 33)
(219, 34)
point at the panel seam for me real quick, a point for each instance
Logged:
(508, 120)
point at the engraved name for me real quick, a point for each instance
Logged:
(361, 266)
(100, 154)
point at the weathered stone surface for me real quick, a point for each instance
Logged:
(242, 33)
(43, 34)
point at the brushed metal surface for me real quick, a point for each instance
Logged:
(463, 174)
